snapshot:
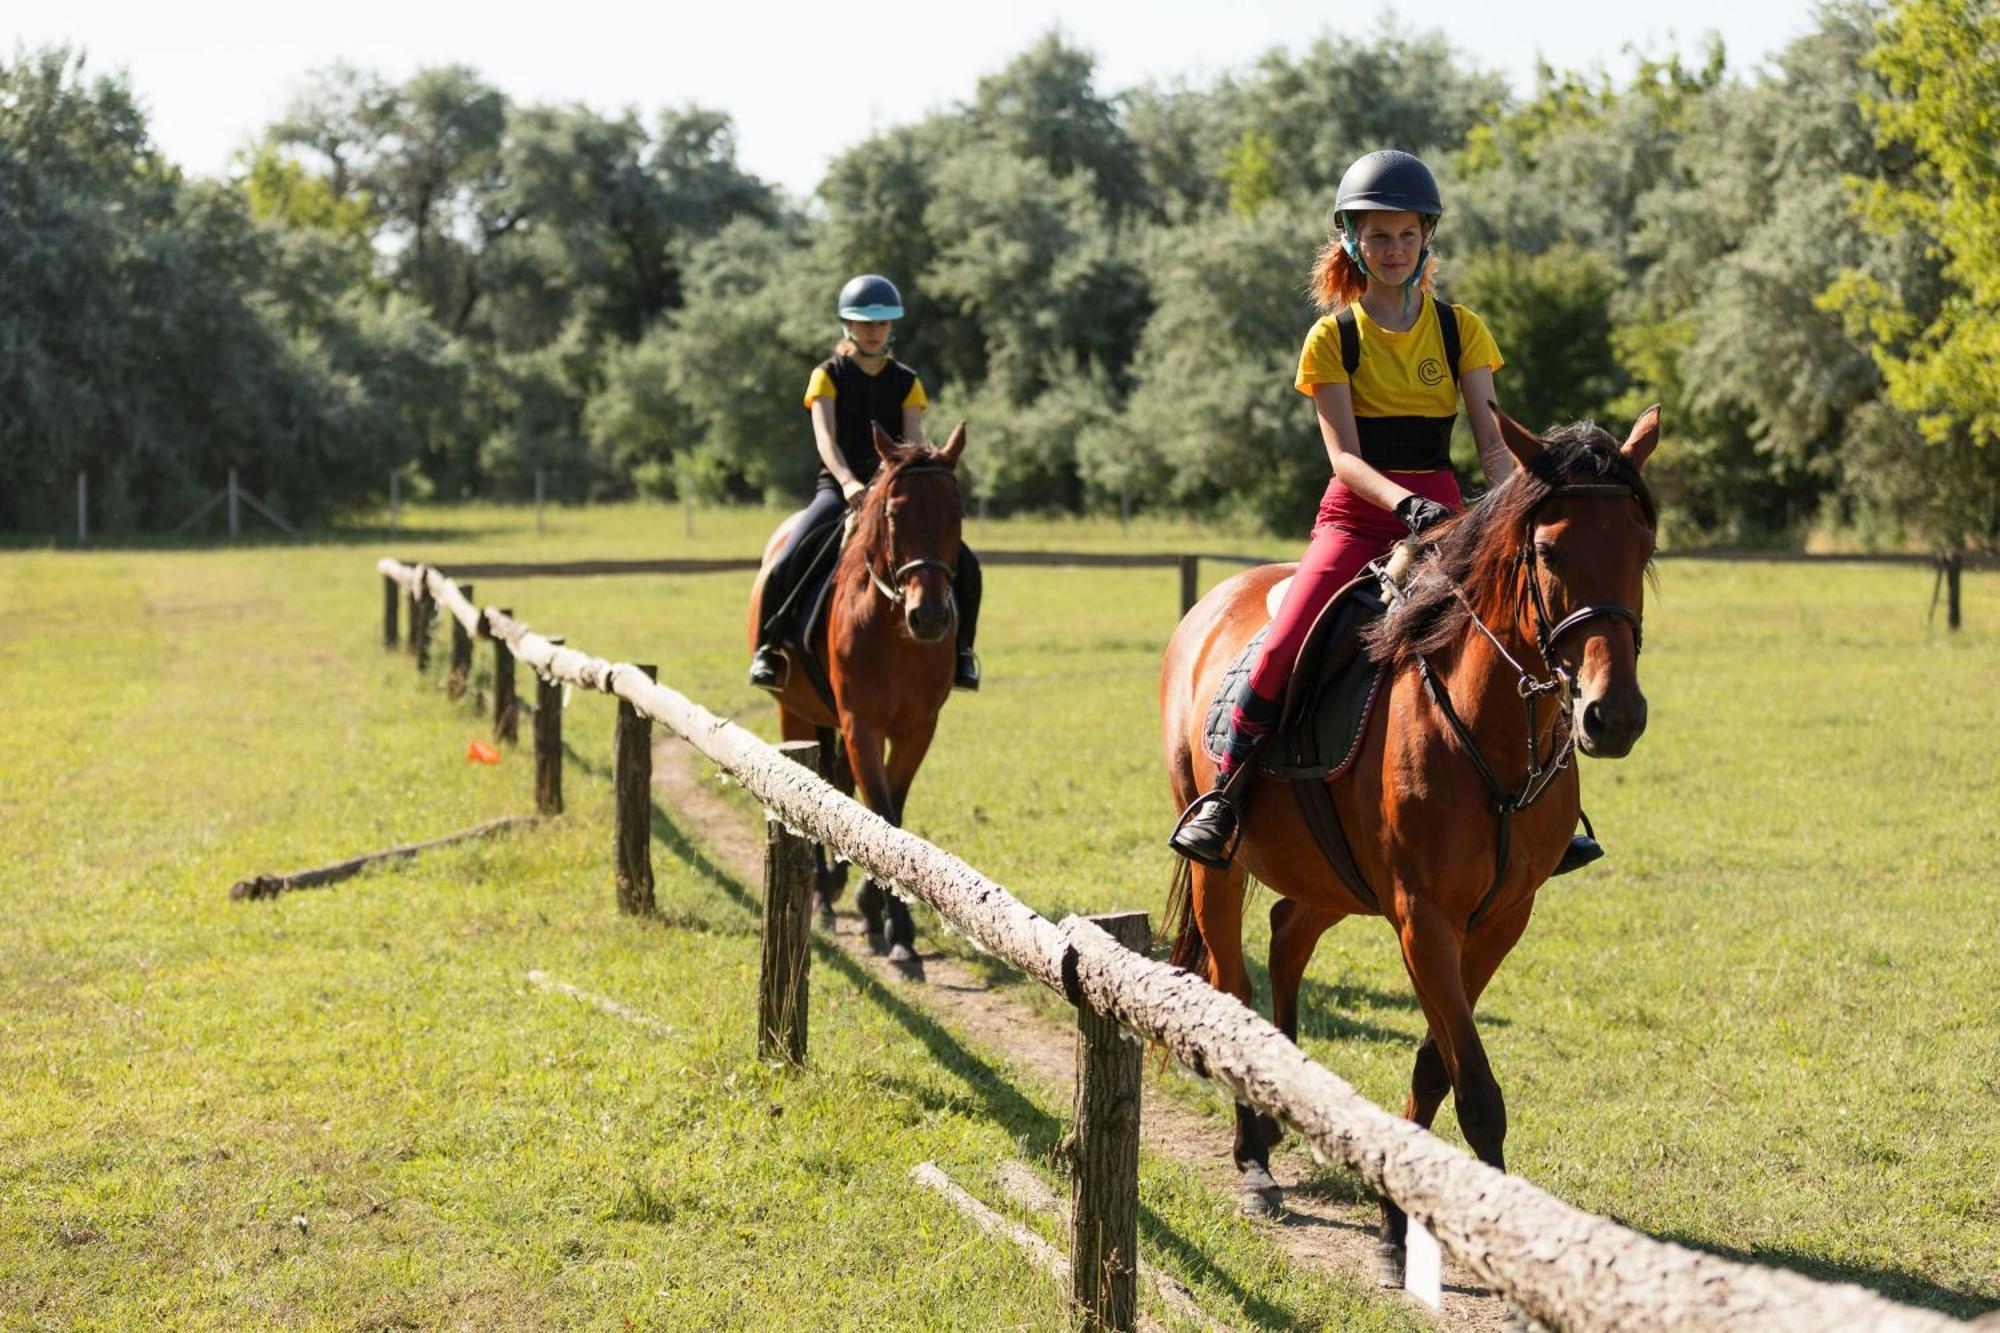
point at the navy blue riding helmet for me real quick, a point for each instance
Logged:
(870, 296)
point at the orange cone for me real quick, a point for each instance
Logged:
(479, 752)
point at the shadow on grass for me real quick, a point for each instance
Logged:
(1039, 1133)
(1897, 1284)
(987, 1091)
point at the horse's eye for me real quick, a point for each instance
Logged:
(1545, 551)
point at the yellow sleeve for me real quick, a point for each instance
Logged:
(1476, 348)
(1319, 360)
(820, 386)
(915, 397)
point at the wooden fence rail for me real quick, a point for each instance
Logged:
(1949, 567)
(1568, 1268)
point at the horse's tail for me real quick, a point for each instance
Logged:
(1190, 951)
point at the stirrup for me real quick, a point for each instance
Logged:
(1186, 837)
(769, 668)
(965, 676)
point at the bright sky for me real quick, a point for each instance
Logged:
(802, 80)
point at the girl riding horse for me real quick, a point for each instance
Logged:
(1384, 371)
(858, 389)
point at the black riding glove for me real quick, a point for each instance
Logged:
(1419, 513)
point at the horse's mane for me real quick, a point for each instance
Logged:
(1476, 549)
(871, 522)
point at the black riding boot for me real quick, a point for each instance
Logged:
(966, 584)
(769, 668)
(1206, 833)
(1582, 850)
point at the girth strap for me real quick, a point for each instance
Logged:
(1316, 807)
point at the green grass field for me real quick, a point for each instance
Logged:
(1767, 1025)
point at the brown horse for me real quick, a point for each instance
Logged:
(888, 651)
(1525, 614)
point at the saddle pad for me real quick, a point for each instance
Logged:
(1323, 738)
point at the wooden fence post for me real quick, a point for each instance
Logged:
(461, 651)
(1104, 1157)
(506, 712)
(1190, 582)
(391, 594)
(415, 607)
(548, 741)
(422, 614)
(1954, 565)
(789, 875)
(632, 748)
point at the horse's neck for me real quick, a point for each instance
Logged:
(1485, 690)
(856, 569)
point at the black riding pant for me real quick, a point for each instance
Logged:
(812, 546)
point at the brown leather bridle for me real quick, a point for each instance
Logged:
(892, 587)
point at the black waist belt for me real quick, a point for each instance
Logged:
(1406, 444)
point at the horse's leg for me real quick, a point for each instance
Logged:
(864, 762)
(830, 877)
(1295, 932)
(1450, 970)
(906, 754)
(1217, 905)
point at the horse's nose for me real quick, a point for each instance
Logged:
(1609, 725)
(928, 621)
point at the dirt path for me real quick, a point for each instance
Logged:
(1325, 1234)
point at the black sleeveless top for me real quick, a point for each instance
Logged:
(1403, 444)
(861, 401)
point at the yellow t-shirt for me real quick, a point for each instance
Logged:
(1400, 374)
(821, 386)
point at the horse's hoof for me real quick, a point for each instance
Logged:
(1389, 1260)
(878, 942)
(1261, 1195)
(826, 918)
(908, 966)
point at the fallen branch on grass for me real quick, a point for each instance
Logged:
(270, 886)
(604, 1002)
(1044, 1255)
(1019, 1183)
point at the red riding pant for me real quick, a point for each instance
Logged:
(1348, 533)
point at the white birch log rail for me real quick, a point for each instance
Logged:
(1568, 1268)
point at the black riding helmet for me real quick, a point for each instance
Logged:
(870, 296)
(1387, 181)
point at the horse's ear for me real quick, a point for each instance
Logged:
(954, 445)
(1521, 442)
(1639, 445)
(884, 446)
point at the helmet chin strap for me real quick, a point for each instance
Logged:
(887, 343)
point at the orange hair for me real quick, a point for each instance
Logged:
(1337, 281)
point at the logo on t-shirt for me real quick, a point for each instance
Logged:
(1431, 370)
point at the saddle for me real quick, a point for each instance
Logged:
(1331, 695)
(805, 608)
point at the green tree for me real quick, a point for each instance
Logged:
(1551, 316)
(1940, 62)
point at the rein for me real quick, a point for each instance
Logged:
(892, 587)
(1542, 770)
